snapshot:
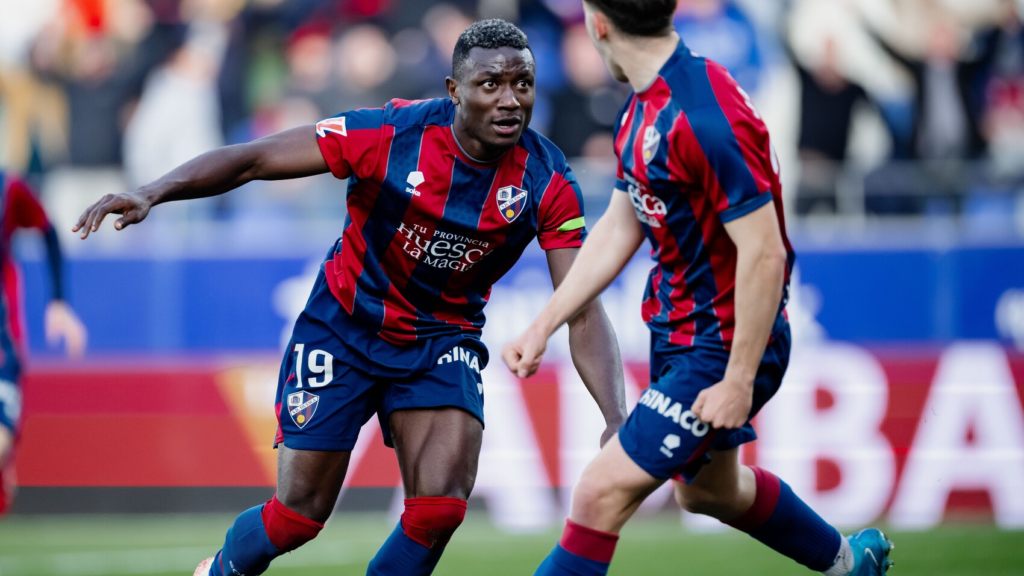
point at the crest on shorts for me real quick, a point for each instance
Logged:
(511, 202)
(302, 407)
(651, 140)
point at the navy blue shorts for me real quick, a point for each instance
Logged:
(663, 436)
(336, 374)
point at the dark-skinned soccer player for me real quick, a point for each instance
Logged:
(444, 195)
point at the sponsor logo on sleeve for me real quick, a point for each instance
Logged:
(336, 125)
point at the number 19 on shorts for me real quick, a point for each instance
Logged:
(318, 362)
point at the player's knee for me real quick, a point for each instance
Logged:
(287, 529)
(592, 498)
(698, 500)
(431, 521)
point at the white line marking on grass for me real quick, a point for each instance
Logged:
(152, 561)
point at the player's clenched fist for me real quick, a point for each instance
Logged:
(133, 208)
(725, 405)
(523, 355)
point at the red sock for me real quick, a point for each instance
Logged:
(588, 543)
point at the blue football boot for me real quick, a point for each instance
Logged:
(871, 553)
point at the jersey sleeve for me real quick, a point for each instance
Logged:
(726, 149)
(23, 209)
(350, 142)
(561, 213)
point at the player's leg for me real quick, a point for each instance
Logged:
(611, 489)
(323, 399)
(757, 502)
(438, 452)
(307, 489)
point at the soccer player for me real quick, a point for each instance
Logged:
(20, 209)
(444, 195)
(698, 178)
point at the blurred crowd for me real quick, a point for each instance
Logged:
(917, 94)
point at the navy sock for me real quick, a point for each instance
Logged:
(559, 561)
(782, 521)
(247, 548)
(581, 551)
(403, 556)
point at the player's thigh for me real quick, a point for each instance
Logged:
(721, 488)
(309, 481)
(438, 450)
(611, 489)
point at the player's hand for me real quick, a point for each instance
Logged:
(609, 431)
(133, 208)
(63, 324)
(725, 405)
(523, 355)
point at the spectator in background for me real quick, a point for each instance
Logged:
(178, 114)
(585, 110)
(827, 102)
(721, 31)
(99, 54)
(1003, 89)
(947, 115)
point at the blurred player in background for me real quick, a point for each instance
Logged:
(444, 195)
(20, 209)
(698, 177)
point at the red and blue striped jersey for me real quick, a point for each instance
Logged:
(694, 155)
(429, 230)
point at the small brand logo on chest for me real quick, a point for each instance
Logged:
(415, 179)
(652, 138)
(511, 202)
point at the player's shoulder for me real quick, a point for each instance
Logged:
(432, 112)
(543, 150)
(699, 83)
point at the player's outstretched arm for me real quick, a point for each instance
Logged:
(595, 352)
(760, 273)
(608, 248)
(289, 154)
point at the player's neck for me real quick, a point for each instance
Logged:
(474, 149)
(641, 59)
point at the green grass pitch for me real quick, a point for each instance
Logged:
(166, 545)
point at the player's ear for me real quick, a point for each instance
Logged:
(601, 25)
(453, 89)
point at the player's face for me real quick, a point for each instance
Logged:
(598, 26)
(495, 98)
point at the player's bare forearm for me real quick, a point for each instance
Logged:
(608, 248)
(595, 354)
(760, 274)
(289, 154)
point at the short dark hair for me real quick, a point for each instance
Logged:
(489, 35)
(638, 17)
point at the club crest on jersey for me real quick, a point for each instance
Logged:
(302, 407)
(336, 125)
(651, 140)
(511, 202)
